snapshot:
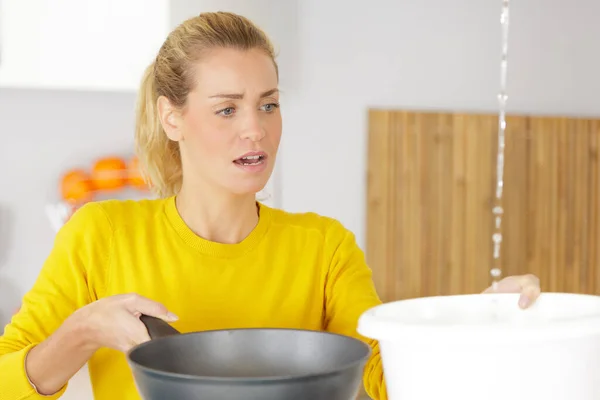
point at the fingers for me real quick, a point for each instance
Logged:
(507, 285)
(530, 290)
(489, 290)
(124, 331)
(142, 305)
(141, 336)
(528, 280)
(527, 285)
(131, 342)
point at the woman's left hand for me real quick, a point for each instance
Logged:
(528, 285)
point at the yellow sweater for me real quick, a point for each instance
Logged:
(294, 270)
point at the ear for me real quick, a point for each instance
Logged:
(170, 119)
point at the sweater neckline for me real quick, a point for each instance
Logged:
(215, 249)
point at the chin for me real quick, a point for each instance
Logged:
(250, 188)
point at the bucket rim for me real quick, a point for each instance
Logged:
(372, 324)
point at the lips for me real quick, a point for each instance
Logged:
(251, 159)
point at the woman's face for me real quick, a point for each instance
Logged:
(230, 129)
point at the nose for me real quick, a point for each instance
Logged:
(253, 128)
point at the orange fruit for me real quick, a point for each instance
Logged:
(76, 186)
(134, 174)
(109, 173)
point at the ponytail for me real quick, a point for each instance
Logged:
(160, 160)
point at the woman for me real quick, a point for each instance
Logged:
(208, 130)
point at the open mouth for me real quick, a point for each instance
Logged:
(251, 160)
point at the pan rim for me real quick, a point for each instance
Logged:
(250, 379)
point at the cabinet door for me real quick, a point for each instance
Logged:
(20, 31)
(79, 44)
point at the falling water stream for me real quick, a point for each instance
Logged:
(497, 210)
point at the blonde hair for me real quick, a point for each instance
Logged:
(172, 75)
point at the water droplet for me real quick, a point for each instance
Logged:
(497, 238)
(496, 272)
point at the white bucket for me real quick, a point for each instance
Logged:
(484, 347)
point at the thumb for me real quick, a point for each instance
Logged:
(144, 305)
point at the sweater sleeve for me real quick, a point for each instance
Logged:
(349, 292)
(70, 278)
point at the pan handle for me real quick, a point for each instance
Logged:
(157, 327)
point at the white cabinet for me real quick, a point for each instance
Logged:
(107, 44)
(79, 44)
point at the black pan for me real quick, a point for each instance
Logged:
(248, 364)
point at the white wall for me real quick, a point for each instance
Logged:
(350, 56)
(43, 133)
(423, 54)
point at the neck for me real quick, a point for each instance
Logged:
(227, 219)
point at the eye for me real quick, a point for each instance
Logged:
(270, 107)
(226, 112)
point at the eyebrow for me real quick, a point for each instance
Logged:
(238, 96)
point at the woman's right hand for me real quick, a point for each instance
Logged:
(111, 322)
(114, 321)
